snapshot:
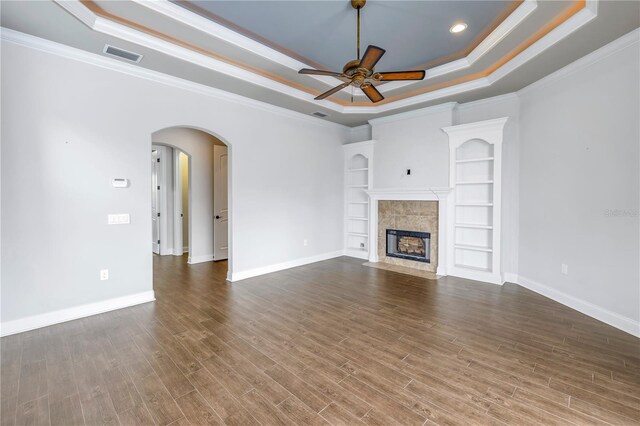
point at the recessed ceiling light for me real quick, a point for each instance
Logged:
(458, 28)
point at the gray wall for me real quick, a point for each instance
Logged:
(580, 141)
(69, 127)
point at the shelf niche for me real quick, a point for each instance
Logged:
(358, 162)
(475, 173)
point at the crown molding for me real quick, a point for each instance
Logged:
(76, 8)
(627, 40)
(193, 20)
(494, 99)
(422, 112)
(62, 50)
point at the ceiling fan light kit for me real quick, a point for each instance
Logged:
(361, 72)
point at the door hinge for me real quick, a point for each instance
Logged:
(158, 160)
(158, 241)
(158, 214)
(181, 215)
(158, 187)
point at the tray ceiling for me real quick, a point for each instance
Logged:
(255, 49)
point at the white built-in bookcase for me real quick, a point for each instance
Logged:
(358, 164)
(474, 215)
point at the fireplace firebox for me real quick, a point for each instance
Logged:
(410, 245)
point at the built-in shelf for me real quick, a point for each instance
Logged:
(357, 171)
(474, 268)
(473, 226)
(474, 160)
(358, 234)
(475, 170)
(474, 248)
(477, 182)
(475, 204)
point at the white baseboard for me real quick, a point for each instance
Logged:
(50, 318)
(200, 259)
(356, 253)
(510, 277)
(608, 317)
(486, 277)
(243, 275)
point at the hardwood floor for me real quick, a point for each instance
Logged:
(329, 343)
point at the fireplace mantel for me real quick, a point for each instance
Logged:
(439, 194)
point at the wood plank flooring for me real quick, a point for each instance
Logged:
(329, 343)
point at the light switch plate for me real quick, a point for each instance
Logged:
(119, 219)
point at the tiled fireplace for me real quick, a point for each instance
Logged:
(403, 229)
(409, 229)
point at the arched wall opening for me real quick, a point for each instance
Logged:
(205, 193)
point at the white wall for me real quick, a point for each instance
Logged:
(414, 142)
(199, 146)
(69, 127)
(580, 155)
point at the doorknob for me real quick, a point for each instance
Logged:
(217, 217)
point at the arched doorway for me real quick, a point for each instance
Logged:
(200, 217)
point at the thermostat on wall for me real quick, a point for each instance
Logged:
(120, 183)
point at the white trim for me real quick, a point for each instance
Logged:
(592, 58)
(220, 32)
(80, 55)
(601, 314)
(243, 275)
(513, 96)
(200, 259)
(69, 314)
(422, 112)
(120, 31)
(510, 277)
(470, 274)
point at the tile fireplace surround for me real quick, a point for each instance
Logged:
(418, 216)
(422, 210)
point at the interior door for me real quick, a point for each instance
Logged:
(220, 203)
(155, 202)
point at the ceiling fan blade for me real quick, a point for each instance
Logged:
(332, 91)
(400, 75)
(372, 93)
(319, 72)
(371, 57)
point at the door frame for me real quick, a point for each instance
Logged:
(178, 246)
(230, 198)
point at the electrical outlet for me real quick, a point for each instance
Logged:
(564, 268)
(305, 243)
(104, 274)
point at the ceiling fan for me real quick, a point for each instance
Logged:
(361, 72)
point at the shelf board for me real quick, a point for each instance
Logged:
(472, 182)
(358, 234)
(358, 202)
(472, 247)
(358, 186)
(358, 170)
(473, 225)
(475, 268)
(475, 160)
(364, 249)
(357, 218)
(475, 204)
